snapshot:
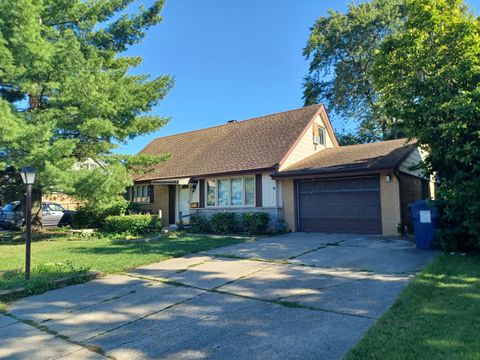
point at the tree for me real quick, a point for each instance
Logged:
(428, 75)
(67, 94)
(342, 49)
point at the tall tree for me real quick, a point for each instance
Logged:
(428, 74)
(67, 93)
(342, 48)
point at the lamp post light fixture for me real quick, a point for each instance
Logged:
(28, 174)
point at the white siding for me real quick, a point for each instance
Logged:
(306, 147)
(269, 191)
(413, 159)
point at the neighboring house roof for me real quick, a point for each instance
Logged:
(258, 143)
(353, 158)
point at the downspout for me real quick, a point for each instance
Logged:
(402, 212)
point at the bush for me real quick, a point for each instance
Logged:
(199, 224)
(224, 223)
(255, 223)
(133, 224)
(94, 216)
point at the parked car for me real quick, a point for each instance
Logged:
(11, 216)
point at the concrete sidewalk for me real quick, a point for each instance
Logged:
(304, 296)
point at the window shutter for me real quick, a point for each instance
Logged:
(152, 196)
(258, 190)
(202, 193)
(316, 131)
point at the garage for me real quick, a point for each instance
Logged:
(341, 205)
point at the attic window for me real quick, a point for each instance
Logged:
(318, 135)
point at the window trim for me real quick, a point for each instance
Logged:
(321, 135)
(141, 194)
(229, 188)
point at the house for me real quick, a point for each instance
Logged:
(289, 165)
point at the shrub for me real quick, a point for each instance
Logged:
(224, 223)
(279, 227)
(133, 224)
(199, 224)
(91, 216)
(255, 223)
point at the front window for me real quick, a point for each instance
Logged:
(222, 192)
(141, 193)
(250, 191)
(236, 192)
(211, 192)
(231, 192)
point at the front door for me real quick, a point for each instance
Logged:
(184, 202)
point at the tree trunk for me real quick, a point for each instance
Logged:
(37, 208)
(34, 102)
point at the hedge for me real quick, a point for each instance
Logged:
(255, 223)
(224, 223)
(133, 224)
(199, 224)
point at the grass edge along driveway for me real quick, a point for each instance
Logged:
(435, 317)
(73, 256)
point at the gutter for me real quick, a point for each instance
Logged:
(303, 173)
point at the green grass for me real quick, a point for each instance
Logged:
(436, 317)
(60, 257)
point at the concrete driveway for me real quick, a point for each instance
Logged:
(295, 296)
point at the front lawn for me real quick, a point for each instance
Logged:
(436, 317)
(66, 256)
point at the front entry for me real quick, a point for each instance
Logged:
(184, 202)
(346, 205)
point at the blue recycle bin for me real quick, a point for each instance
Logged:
(426, 221)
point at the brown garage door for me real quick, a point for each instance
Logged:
(347, 205)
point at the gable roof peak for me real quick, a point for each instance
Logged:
(256, 143)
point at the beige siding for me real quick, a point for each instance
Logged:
(288, 203)
(390, 204)
(160, 202)
(68, 202)
(306, 147)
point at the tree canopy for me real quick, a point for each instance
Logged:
(67, 92)
(342, 48)
(428, 76)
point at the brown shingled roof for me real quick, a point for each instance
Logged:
(363, 157)
(258, 143)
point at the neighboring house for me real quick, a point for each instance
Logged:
(290, 165)
(65, 200)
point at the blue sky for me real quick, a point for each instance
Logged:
(230, 59)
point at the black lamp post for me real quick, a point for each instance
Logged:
(28, 176)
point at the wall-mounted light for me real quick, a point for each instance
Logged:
(388, 178)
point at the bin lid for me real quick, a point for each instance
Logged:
(421, 205)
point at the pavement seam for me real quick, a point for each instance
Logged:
(231, 256)
(146, 316)
(288, 304)
(88, 306)
(323, 246)
(326, 287)
(192, 266)
(57, 335)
